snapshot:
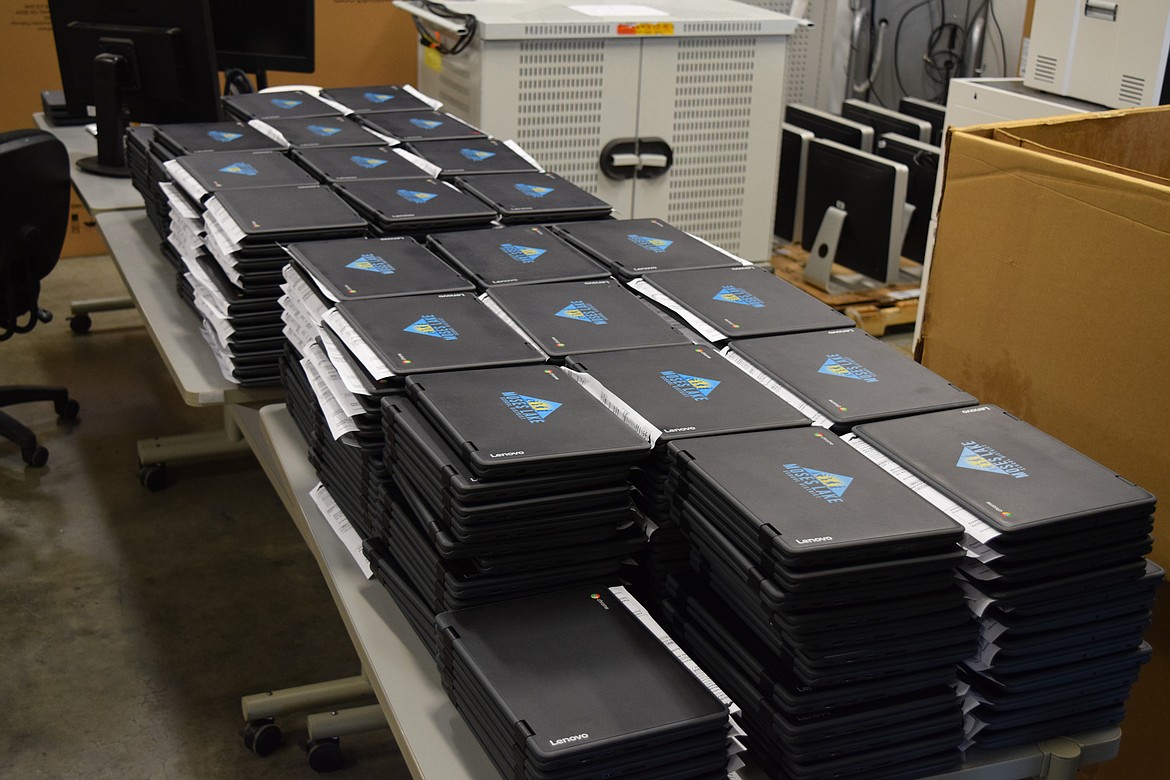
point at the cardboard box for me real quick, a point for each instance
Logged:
(1047, 295)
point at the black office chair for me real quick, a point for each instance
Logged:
(34, 215)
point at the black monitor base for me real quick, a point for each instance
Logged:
(98, 168)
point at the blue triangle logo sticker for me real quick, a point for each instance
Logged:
(696, 388)
(324, 130)
(417, 197)
(223, 137)
(370, 262)
(834, 483)
(522, 254)
(839, 365)
(739, 296)
(533, 191)
(583, 312)
(286, 102)
(976, 462)
(240, 168)
(367, 162)
(426, 124)
(377, 97)
(529, 408)
(430, 325)
(475, 155)
(658, 245)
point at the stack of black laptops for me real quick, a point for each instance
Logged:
(842, 581)
(521, 198)
(574, 318)
(634, 247)
(506, 481)
(1054, 569)
(244, 232)
(380, 98)
(846, 377)
(349, 443)
(570, 684)
(668, 394)
(335, 164)
(146, 174)
(519, 254)
(414, 206)
(738, 303)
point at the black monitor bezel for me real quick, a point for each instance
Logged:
(251, 58)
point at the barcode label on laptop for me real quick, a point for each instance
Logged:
(975, 528)
(624, 412)
(638, 611)
(792, 399)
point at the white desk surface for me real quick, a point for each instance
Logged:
(98, 193)
(173, 326)
(430, 732)
(433, 738)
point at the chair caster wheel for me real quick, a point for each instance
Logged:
(67, 410)
(262, 736)
(80, 323)
(153, 476)
(325, 754)
(35, 456)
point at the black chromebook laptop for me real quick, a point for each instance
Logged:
(534, 197)
(567, 318)
(355, 268)
(524, 420)
(414, 205)
(421, 333)
(333, 164)
(745, 301)
(1011, 475)
(518, 254)
(426, 125)
(472, 156)
(634, 247)
(851, 377)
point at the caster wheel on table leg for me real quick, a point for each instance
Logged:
(262, 737)
(153, 476)
(35, 456)
(325, 754)
(80, 323)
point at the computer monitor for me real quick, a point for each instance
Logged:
(853, 213)
(884, 120)
(934, 113)
(922, 161)
(257, 36)
(830, 126)
(140, 60)
(790, 186)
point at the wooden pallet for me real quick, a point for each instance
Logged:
(874, 309)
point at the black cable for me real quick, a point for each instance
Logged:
(897, 42)
(237, 80)
(433, 39)
(998, 29)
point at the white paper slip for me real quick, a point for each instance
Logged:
(427, 166)
(306, 299)
(297, 329)
(904, 295)
(354, 342)
(791, 398)
(345, 110)
(628, 415)
(515, 147)
(385, 139)
(341, 526)
(647, 290)
(328, 373)
(177, 201)
(185, 180)
(977, 601)
(721, 250)
(349, 377)
(498, 310)
(972, 525)
(221, 358)
(430, 101)
(336, 419)
(638, 611)
(268, 131)
(215, 212)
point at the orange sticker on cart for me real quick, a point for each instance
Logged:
(646, 28)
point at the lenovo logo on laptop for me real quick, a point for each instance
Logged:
(567, 740)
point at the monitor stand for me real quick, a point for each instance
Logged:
(109, 72)
(818, 270)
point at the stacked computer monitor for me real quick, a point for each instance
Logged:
(856, 189)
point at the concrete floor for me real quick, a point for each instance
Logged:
(134, 621)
